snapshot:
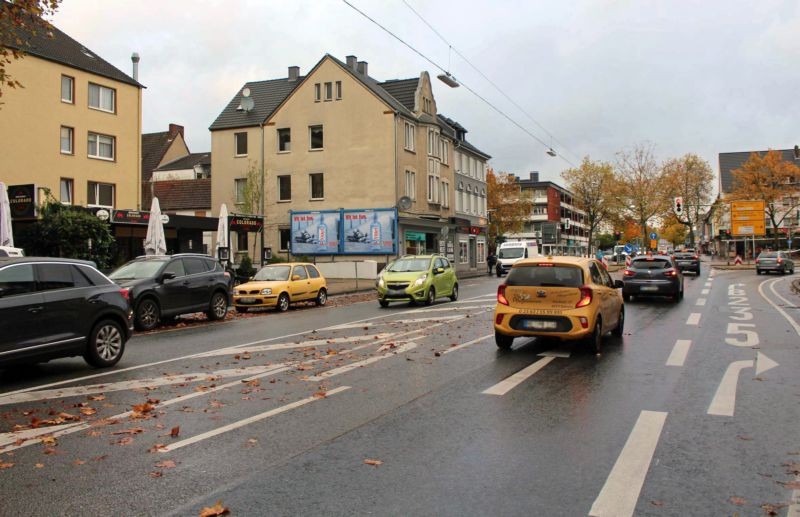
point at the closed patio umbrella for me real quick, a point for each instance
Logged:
(155, 243)
(6, 235)
(222, 229)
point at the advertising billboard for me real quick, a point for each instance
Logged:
(315, 233)
(369, 232)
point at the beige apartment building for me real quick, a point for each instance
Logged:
(338, 140)
(72, 130)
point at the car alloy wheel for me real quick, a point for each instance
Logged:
(322, 297)
(596, 339)
(620, 323)
(431, 296)
(106, 344)
(454, 296)
(147, 314)
(283, 302)
(218, 308)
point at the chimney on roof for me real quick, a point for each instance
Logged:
(351, 62)
(362, 68)
(534, 175)
(175, 129)
(294, 73)
(135, 60)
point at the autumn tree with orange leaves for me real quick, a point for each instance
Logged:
(771, 179)
(508, 209)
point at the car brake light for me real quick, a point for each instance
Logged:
(501, 294)
(628, 272)
(586, 297)
(779, 260)
(126, 293)
(696, 257)
(671, 272)
(756, 261)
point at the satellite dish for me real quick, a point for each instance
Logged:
(246, 92)
(404, 203)
(246, 104)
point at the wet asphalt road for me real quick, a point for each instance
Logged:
(647, 428)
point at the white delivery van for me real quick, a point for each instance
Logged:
(509, 253)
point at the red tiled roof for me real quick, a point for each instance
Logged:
(184, 194)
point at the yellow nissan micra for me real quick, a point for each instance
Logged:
(562, 297)
(278, 285)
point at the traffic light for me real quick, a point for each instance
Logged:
(617, 236)
(677, 205)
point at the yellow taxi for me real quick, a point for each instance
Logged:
(279, 285)
(561, 297)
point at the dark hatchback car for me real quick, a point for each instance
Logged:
(778, 261)
(687, 261)
(166, 286)
(60, 308)
(652, 276)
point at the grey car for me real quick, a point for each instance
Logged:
(687, 261)
(778, 261)
(652, 276)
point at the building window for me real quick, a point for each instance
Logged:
(445, 151)
(460, 198)
(481, 251)
(239, 186)
(67, 89)
(433, 181)
(432, 142)
(67, 141)
(316, 186)
(445, 194)
(410, 136)
(328, 91)
(67, 189)
(101, 146)
(315, 136)
(463, 251)
(241, 241)
(457, 157)
(100, 194)
(284, 140)
(468, 207)
(338, 90)
(102, 98)
(317, 92)
(284, 188)
(411, 184)
(240, 143)
(285, 236)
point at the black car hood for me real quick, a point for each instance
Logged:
(133, 283)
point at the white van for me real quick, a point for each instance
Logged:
(508, 253)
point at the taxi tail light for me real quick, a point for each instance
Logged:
(586, 297)
(628, 272)
(501, 294)
(671, 272)
(498, 320)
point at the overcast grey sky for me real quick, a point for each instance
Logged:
(600, 75)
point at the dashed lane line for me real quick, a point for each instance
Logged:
(679, 352)
(405, 347)
(309, 343)
(620, 493)
(468, 343)
(694, 319)
(506, 385)
(705, 291)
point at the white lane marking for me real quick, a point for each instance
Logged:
(77, 391)
(707, 284)
(791, 321)
(621, 491)
(700, 302)
(405, 347)
(764, 363)
(462, 308)
(310, 343)
(504, 386)
(694, 319)
(28, 434)
(247, 421)
(555, 353)
(705, 291)
(679, 352)
(468, 343)
(724, 400)
(80, 426)
(794, 505)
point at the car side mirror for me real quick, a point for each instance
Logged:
(439, 270)
(167, 276)
(618, 284)
(295, 277)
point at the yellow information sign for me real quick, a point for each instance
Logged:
(747, 218)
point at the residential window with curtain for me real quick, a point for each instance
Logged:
(317, 92)
(239, 186)
(338, 90)
(411, 185)
(446, 194)
(102, 98)
(101, 146)
(328, 91)
(433, 180)
(67, 189)
(67, 140)
(100, 194)
(410, 135)
(67, 89)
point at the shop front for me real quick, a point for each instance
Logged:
(423, 237)
(471, 244)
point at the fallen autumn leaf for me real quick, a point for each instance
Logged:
(214, 511)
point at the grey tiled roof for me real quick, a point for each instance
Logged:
(187, 162)
(453, 125)
(376, 88)
(267, 96)
(403, 90)
(728, 162)
(62, 49)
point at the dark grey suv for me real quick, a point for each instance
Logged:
(165, 286)
(60, 308)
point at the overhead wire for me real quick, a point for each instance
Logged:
(438, 66)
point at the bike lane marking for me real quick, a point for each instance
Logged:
(621, 490)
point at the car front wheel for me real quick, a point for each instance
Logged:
(431, 296)
(283, 302)
(218, 307)
(106, 344)
(147, 314)
(322, 297)
(383, 303)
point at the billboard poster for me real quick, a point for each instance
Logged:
(369, 232)
(315, 233)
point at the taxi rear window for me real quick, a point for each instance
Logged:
(651, 264)
(546, 276)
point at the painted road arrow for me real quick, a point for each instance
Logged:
(724, 400)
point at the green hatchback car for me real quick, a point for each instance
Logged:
(417, 278)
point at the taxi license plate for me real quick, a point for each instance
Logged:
(247, 300)
(649, 288)
(539, 325)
